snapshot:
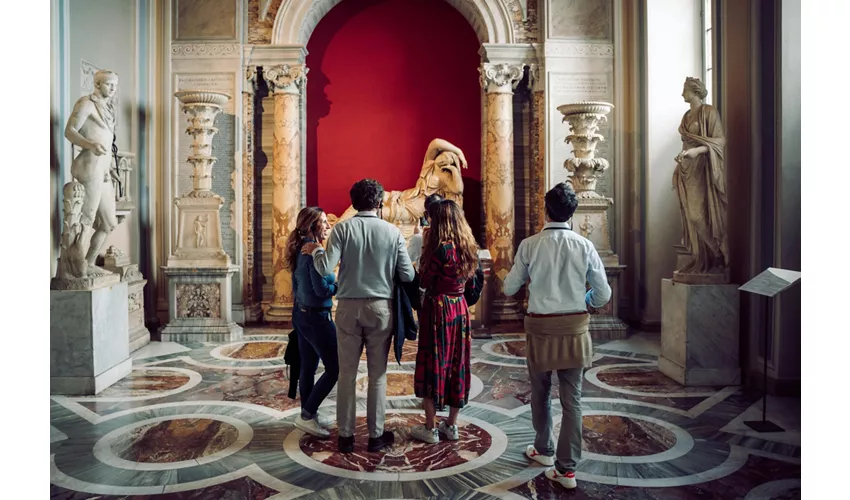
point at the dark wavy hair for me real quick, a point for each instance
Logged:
(366, 194)
(561, 202)
(308, 223)
(448, 224)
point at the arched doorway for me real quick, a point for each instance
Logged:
(284, 68)
(378, 91)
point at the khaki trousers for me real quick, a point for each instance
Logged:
(359, 323)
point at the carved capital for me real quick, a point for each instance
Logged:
(536, 77)
(250, 86)
(285, 78)
(501, 77)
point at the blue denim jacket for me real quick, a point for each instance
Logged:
(311, 289)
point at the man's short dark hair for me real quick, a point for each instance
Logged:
(561, 202)
(366, 194)
(432, 199)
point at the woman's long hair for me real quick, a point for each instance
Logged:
(308, 223)
(449, 224)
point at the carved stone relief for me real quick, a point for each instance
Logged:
(201, 300)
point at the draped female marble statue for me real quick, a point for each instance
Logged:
(91, 128)
(700, 182)
(440, 174)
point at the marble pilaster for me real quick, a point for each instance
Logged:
(249, 294)
(498, 81)
(538, 148)
(286, 82)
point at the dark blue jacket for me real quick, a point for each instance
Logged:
(312, 289)
(405, 300)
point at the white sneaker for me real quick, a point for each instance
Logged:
(450, 431)
(531, 452)
(311, 427)
(422, 433)
(567, 480)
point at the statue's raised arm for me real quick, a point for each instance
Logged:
(437, 146)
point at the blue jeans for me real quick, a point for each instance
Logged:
(316, 340)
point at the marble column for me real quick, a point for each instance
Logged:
(286, 82)
(249, 294)
(499, 81)
(538, 147)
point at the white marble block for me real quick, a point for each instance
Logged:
(89, 339)
(699, 334)
(199, 305)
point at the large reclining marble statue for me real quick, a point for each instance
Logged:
(441, 174)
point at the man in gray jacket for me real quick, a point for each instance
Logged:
(371, 252)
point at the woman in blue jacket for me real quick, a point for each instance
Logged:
(311, 317)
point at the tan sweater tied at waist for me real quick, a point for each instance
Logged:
(558, 342)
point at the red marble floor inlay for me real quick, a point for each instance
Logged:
(175, 440)
(406, 454)
(398, 384)
(645, 379)
(145, 383)
(624, 436)
(510, 348)
(256, 350)
(408, 352)
(243, 488)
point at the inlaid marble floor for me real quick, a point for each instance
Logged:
(213, 421)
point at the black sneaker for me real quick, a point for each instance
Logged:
(377, 444)
(346, 444)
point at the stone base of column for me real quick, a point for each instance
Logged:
(505, 310)
(279, 314)
(247, 313)
(605, 323)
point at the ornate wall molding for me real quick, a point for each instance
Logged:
(579, 49)
(194, 50)
(296, 20)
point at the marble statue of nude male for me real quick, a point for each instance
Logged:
(91, 128)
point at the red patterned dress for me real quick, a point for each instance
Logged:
(442, 361)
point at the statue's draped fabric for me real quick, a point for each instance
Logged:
(701, 186)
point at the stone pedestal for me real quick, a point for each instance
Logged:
(605, 323)
(118, 262)
(199, 305)
(699, 334)
(89, 339)
(479, 312)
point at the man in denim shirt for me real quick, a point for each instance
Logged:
(316, 330)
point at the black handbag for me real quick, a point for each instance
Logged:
(474, 285)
